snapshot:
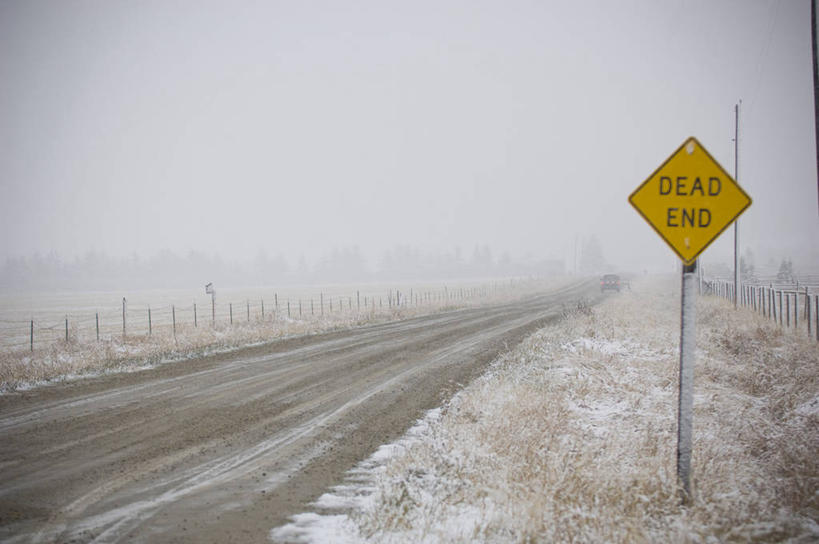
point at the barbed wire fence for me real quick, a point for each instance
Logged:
(138, 320)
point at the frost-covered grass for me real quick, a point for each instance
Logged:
(83, 356)
(571, 437)
(74, 359)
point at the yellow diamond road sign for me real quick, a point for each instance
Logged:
(689, 200)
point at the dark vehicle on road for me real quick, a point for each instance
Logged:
(610, 282)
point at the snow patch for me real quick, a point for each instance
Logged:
(810, 408)
(312, 527)
(605, 346)
(356, 493)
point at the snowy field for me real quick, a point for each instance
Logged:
(571, 438)
(258, 316)
(50, 310)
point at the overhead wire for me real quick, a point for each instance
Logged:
(762, 58)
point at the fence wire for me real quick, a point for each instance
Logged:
(140, 318)
(790, 305)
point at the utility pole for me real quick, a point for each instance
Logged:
(815, 51)
(736, 223)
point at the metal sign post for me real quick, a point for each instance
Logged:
(689, 200)
(685, 399)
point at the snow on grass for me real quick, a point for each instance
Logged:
(355, 494)
(572, 437)
(75, 359)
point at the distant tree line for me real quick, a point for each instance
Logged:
(166, 269)
(773, 270)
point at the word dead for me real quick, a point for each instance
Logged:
(683, 186)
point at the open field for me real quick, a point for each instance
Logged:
(258, 315)
(49, 310)
(571, 437)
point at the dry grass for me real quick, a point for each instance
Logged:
(571, 437)
(82, 355)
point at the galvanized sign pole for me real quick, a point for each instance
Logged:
(685, 403)
(689, 200)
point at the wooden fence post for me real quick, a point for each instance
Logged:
(780, 308)
(173, 316)
(230, 305)
(788, 309)
(32, 335)
(149, 321)
(772, 304)
(97, 319)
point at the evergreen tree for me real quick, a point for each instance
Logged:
(785, 273)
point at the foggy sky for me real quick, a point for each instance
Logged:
(298, 128)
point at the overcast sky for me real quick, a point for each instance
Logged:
(300, 127)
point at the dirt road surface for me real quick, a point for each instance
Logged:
(224, 448)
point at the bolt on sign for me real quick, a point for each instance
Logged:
(689, 200)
